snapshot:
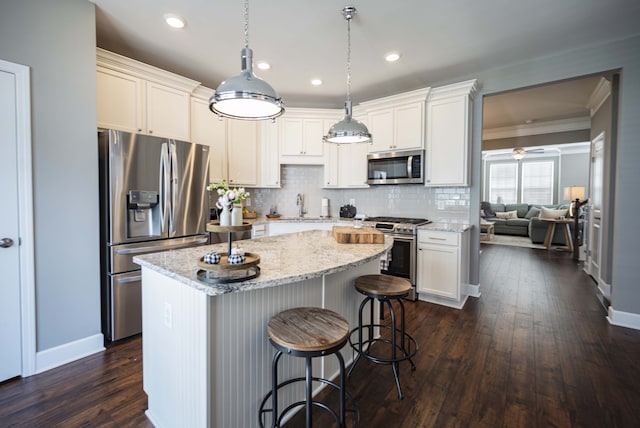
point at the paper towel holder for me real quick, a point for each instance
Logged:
(324, 208)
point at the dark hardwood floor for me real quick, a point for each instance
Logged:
(534, 351)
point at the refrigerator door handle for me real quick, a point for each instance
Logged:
(127, 279)
(174, 186)
(139, 250)
(164, 184)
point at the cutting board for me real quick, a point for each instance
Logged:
(351, 235)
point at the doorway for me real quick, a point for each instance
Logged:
(17, 291)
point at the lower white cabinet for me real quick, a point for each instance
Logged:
(443, 267)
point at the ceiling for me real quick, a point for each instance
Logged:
(302, 40)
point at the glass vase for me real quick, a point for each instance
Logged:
(236, 215)
(225, 216)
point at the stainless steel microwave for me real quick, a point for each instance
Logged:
(396, 167)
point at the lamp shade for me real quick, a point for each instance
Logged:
(348, 130)
(246, 96)
(573, 192)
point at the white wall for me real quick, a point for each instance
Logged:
(57, 41)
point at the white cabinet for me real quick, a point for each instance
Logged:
(242, 149)
(301, 132)
(233, 153)
(138, 98)
(449, 134)
(268, 155)
(443, 267)
(397, 122)
(207, 129)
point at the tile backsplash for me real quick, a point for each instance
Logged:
(409, 200)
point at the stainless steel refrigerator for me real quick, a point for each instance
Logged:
(153, 198)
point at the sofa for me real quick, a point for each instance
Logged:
(526, 221)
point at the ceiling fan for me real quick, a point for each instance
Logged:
(519, 153)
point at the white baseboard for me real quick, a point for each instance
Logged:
(442, 300)
(624, 319)
(473, 290)
(63, 354)
(604, 288)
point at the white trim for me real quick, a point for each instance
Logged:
(624, 319)
(548, 127)
(604, 288)
(72, 351)
(25, 208)
(599, 95)
(473, 290)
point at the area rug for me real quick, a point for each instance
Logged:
(514, 241)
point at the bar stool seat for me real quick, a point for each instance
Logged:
(307, 333)
(400, 346)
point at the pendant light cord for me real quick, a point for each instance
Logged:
(246, 24)
(349, 58)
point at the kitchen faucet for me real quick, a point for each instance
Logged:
(299, 203)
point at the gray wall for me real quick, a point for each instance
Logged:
(574, 171)
(57, 40)
(537, 140)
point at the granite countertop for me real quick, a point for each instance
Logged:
(261, 220)
(283, 259)
(442, 226)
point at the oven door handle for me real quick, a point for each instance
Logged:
(399, 237)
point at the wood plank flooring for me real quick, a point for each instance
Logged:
(534, 351)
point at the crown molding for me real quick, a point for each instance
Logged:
(548, 127)
(599, 95)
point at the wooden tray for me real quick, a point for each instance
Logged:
(351, 235)
(250, 215)
(214, 226)
(250, 259)
(273, 215)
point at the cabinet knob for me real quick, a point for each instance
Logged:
(139, 129)
(150, 131)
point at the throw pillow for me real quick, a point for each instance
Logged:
(486, 207)
(508, 214)
(533, 212)
(551, 214)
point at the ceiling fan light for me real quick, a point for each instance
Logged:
(518, 153)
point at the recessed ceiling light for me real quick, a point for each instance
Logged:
(263, 65)
(316, 82)
(174, 20)
(392, 57)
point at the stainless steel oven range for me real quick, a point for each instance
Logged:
(404, 251)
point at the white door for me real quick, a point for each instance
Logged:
(10, 329)
(594, 245)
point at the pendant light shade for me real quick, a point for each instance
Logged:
(348, 130)
(246, 96)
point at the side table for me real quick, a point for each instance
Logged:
(486, 231)
(551, 228)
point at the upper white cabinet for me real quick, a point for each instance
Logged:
(449, 134)
(397, 122)
(268, 155)
(345, 165)
(139, 98)
(233, 153)
(301, 132)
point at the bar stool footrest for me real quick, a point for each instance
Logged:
(407, 352)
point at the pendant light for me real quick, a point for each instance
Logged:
(348, 130)
(246, 96)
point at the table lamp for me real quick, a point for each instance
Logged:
(575, 194)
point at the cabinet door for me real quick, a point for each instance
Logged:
(291, 137)
(269, 155)
(447, 142)
(331, 165)
(352, 165)
(120, 101)
(409, 126)
(167, 112)
(242, 138)
(312, 137)
(381, 129)
(438, 271)
(207, 129)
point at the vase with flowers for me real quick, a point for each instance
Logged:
(228, 198)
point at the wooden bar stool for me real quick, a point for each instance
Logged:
(385, 289)
(306, 333)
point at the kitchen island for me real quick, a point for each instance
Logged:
(206, 356)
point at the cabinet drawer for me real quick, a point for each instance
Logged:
(438, 237)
